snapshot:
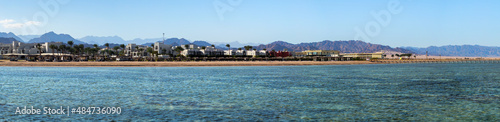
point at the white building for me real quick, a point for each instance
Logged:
(240, 53)
(229, 52)
(136, 50)
(255, 53)
(163, 48)
(212, 51)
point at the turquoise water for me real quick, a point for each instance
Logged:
(351, 92)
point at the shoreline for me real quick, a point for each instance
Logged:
(7, 63)
(179, 64)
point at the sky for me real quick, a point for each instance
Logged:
(417, 23)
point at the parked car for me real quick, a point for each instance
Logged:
(13, 59)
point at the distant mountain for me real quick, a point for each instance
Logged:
(102, 40)
(143, 41)
(53, 37)
(459, 50)
(202, 43)
(342, 46)
(28, 37)
(10, 35)
(7, 40)
(180, 41)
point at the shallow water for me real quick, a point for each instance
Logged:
(351, 92)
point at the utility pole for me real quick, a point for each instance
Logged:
(163, 36)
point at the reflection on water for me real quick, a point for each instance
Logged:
(357, 92)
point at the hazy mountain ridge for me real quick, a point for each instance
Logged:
(53, 37)
(10, 35)
(459, 50)
(102, 40)
(7, 40)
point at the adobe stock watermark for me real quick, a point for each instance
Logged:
(382, 19)
(50, 8)
(223, 6)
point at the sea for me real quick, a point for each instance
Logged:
(374, 92)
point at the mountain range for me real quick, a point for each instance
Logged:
(7, 40)
(53, 37)
(343, 46)
(459, 50)
(10, 35)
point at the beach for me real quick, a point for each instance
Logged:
(177, 64)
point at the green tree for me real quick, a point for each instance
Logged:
(248, 47)
(107, 45)
(39, 47)
(203, 47)
(186, 46)
(52, 47)
(116, 49)
(70, 43)
(150, 51)
(179, 49)
(123, 48)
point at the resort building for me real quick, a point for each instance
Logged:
(162, 48)
(299, 54)
(19, 50)
(321, 52)
(192, 52)
(255, 53)
(212, 51)
(279, 53)
(229, 52)
(134, 50)
(240, 53)
(363, 55)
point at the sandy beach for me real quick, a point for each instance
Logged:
(177, 64)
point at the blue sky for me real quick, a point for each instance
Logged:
(420, 23)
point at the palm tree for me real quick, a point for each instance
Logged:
(96, 47)
(70, 43)
(141, 51)
(248, 47)
(59, 50)
(107, 45)
(150, 51)
(179, 49)
(52, 47)
(163, 51)
(229, 49)
(123, 48)
(265, 50)
(39, 47)
(116, 49)
(62, 48)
